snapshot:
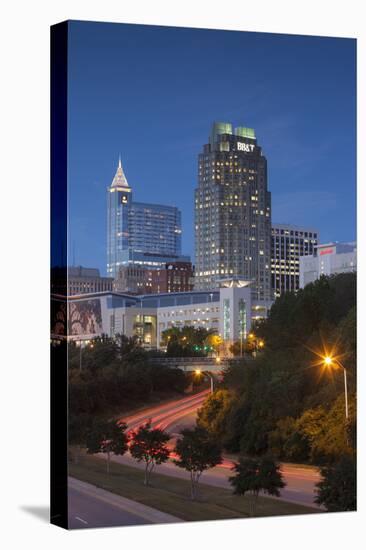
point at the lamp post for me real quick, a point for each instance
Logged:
(81, 351)
(251, 338)
(257, 343)
(328, 361)
(261, 344)
(199, 372)
(80, 355)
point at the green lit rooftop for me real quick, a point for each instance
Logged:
(219, 128)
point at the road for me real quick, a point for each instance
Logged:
(89, 511)
(91, 506)
(164, 416)
(181, 413)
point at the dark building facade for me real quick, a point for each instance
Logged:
(84, 280)
(233, 211)
(79, 280)
(175, 277)
(132, 279)
(289, 242)
(172, 277)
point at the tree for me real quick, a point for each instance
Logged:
(213, 413)
(149, 445)
(337, 491)
(294, 317)
(254, 475)
(197, 452)
(214, 341)
(327, 431)
(187, 341)
(107, 437)
(287, 442)
(166, 378)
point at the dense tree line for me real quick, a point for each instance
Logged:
(285, 402)
(110, 375)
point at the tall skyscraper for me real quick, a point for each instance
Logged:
(119, 198)
(289, 242)
(139, 233)
(233, 211)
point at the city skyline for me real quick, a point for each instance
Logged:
(243, 366)
(303, 110)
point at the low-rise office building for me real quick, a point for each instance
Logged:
(229, 310)
(174, 277)
(132, 279)
(328, 259)
(171, 277)
(79, 280)
(83, 280)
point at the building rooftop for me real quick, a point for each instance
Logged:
(80, 271)
(120, 179)
(219, 128)
(339, 248)
(237, 281)
(292, 226)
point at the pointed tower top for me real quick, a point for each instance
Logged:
(119, 179)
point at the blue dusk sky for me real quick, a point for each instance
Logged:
(151, 94)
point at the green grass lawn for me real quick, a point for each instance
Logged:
(172, 495)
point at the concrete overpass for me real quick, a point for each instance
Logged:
(209, 364)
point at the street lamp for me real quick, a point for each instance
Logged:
(328, 361)
(199, 372)
(86, 344)
(80, 356)
(258, 344)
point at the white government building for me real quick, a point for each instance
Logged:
(328, 259)
(229, 310)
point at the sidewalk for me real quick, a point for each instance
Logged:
(147, 513)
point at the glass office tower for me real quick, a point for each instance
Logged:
(233, 211)
(119, 198)
(155, 228)
(139, 233)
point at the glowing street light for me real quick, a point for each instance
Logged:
(329, 361)
(199, 372)
(87, 343)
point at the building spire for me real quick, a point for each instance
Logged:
(119, 179)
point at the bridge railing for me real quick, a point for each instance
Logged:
(198, 360)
